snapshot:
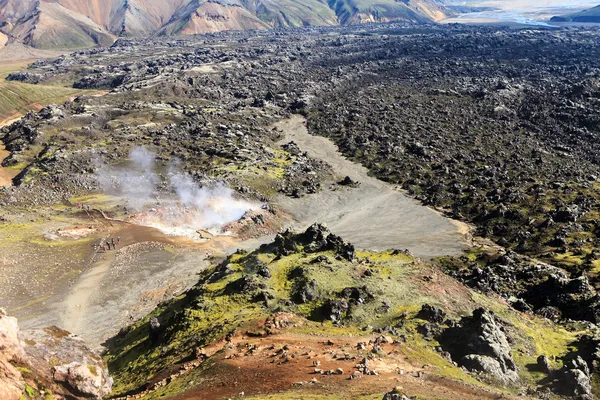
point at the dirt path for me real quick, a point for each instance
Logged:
(375, 215)
(6, 176)
(76, 304)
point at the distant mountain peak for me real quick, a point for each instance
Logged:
(591, 15)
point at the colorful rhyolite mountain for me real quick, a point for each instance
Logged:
(70, 24)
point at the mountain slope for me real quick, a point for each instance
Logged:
(71, 24)
(51, 25)
(290, 13)
(130, 19)
(364, 11)
(210, 16)
(590, 15)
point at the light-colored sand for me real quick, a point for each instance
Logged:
(376, 215)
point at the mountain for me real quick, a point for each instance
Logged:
(210, 16)
(590, 15)
(74, 24)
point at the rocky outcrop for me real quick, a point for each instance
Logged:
(431, 313)
(11, 381)
(533, 286)
(54, 359)
(478, 344)
(84, 379)
(574, 380)
(396, 394)
(315, 239)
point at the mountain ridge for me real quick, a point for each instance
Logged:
(591, 15)
(78, 24)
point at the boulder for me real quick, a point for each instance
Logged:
(484, 364)
(11, 386)
(334, 310)
(479, 344)
(305, 291)
(575, 383)
(81, 373)
(84, 379)
(347, 181)
(431, 313)
(396, 394)
(543, 364)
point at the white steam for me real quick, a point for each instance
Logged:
(183, 207)
(214, 202)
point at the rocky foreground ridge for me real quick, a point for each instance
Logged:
(48, 363)
(258, 308)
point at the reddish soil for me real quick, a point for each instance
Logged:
(260, 366)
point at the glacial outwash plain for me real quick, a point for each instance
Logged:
(298, 200)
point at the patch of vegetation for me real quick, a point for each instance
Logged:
(18, 98)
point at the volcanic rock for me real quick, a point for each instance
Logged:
(81, 374)
(479, 344)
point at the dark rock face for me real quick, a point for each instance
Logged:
(304, 291)
(334, 310)
(431, 313)
(574, 298)
(479, 344)
(574, 380)
(100, 81)
(316, 238)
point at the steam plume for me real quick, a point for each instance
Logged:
(187, 205)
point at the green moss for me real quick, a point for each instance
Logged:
(30, 392)
(93, 370)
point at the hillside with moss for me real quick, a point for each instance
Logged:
(17, 98)
(329, 319)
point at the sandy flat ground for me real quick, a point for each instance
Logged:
(374, 216)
